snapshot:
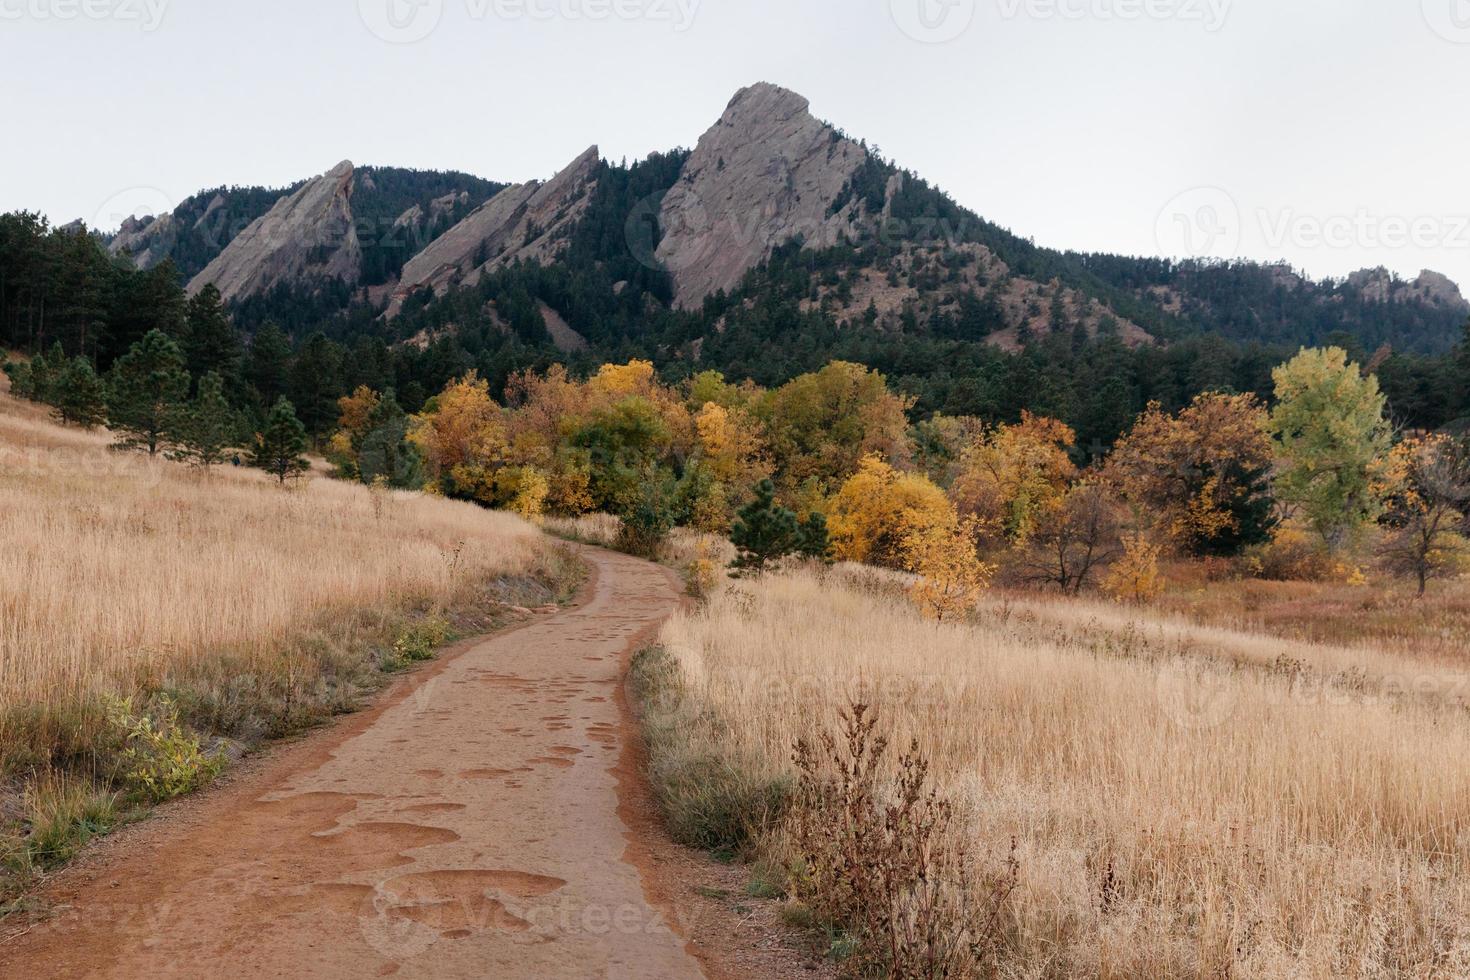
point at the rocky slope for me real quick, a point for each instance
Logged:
(1381, 286)
(146, 240)
(308, 235)
(626, 245)
(523, 222)
(766, 173)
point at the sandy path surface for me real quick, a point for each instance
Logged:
(469, 825)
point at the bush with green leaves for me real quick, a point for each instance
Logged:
(161, 758)
(419, 640)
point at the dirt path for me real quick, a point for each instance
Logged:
(470, 825)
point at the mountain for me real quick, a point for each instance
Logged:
(352, 226)
(776, 227)
(766, 173)
(308, 235)
(526, 222)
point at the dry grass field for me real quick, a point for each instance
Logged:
(1184, 800)
(251, 608)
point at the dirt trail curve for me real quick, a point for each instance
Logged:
(470, 825)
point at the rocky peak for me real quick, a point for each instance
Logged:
(1382, 286)
(767, 172)
(147, 241)
(528, 222)
(307, 235)
(1437, 287)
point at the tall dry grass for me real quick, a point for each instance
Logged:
(121, 575)
(1186, 813)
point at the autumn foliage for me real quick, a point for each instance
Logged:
(1287, 489)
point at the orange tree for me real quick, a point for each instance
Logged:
(1199, 479)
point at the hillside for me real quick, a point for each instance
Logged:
(134, 587)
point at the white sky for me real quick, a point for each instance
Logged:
(1331, 133)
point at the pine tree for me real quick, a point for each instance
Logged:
(269, 359)
(211, 343)
(764, 531)
(278, 449)
(147, 386)
(79, 395)
(40, 378)
(815, 541)
(385, 452)
(209, 428)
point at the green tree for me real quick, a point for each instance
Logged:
(649, 517)
(385, 453)
(279, 447)
(268, 362)
(210, 341)
(146, 387)
(79, 395)
(816, 544)
(625, 442)
(1331, 436)
(315, 383)
(764, 532)
(208, 428)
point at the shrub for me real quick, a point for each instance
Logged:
(418, 641)
(1135, 577)
(161, 759)
(1295, 555)
(647, 523)
(882, 865)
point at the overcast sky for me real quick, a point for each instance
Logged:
(1327, 133)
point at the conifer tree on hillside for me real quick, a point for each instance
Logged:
(385, 453)
(146, 387)
(764, 532)
(210, 342)
(208, 428)
(267, 365)
(816, 544)
(279, 446)
(79, 395)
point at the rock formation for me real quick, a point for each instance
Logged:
(308, 235)
(767, 172)
(1382, 286)
(146, 240)
(527, 221)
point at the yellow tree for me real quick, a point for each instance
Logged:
(1135, 576)
(951, 576)
(462, 436)
(1333, 438)
(1014, 474)
(356, 418)
(878, 508)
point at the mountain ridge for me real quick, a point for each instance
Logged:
(896, 254)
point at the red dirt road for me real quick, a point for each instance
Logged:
(475, 823)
